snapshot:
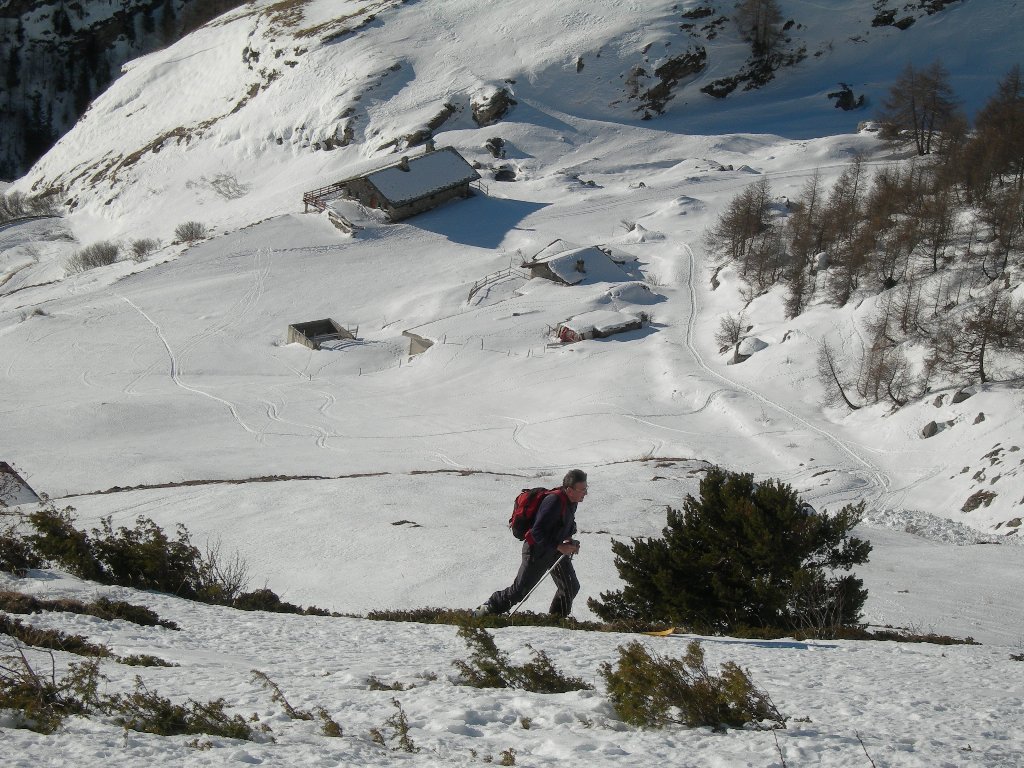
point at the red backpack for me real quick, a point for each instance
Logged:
(525, 510)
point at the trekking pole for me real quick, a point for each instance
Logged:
(541, 579)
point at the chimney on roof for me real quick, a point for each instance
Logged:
(403, 164)
(581, 265)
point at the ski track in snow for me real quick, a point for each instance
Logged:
(872, 478)
(320, 434)
(175, 375)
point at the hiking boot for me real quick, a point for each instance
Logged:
(482, 610)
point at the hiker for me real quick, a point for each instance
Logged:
(548, 538)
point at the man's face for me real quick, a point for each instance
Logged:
(576, 492)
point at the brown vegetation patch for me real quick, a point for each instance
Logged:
(102, 608)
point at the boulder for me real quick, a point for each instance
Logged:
(490, 106)
(845, 98)
(979, 418)
(674, 70)
(750, 345)
(505, 173)
(961, 395)
(745, 348)
(930, 430)
(496, 146)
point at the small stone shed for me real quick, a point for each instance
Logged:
(316, 332)
(572, 264)
(598, 325)
(407, 186)
(13, 489)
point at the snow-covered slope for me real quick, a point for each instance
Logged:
(894, 704)
(233, 122)
(176, 369)
(385, 479)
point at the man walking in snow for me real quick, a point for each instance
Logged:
(549, 538)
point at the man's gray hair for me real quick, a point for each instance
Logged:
(572, 477)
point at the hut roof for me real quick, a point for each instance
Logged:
(598, 267)
(560, 246)
(428, 174)
(601, 320)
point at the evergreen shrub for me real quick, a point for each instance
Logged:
(52, 639)
(651, 691)
(146, 557)
(489, 667)
(744, 557)
(39, 703)
(16, 554)
(102, 607)
(148, 712)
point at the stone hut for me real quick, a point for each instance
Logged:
(316, 332)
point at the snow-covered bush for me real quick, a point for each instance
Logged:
(328, 726)
(102, 608)
(149, 712)
(399, 725)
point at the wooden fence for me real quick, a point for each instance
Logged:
(494, 277)
(318, 197)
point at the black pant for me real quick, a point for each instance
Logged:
(531, 571)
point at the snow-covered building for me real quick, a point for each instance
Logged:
(406, 186)
(571, 264)
(597, 325)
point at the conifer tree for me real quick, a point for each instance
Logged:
(743, 556)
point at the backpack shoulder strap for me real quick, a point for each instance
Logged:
(562, 498)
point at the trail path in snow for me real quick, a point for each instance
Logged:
(875, 483)
(175, 374)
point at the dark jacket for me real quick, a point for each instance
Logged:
(555, 522)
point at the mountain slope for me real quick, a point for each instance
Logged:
(295, 78)
(361, 476)
(175, 372)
